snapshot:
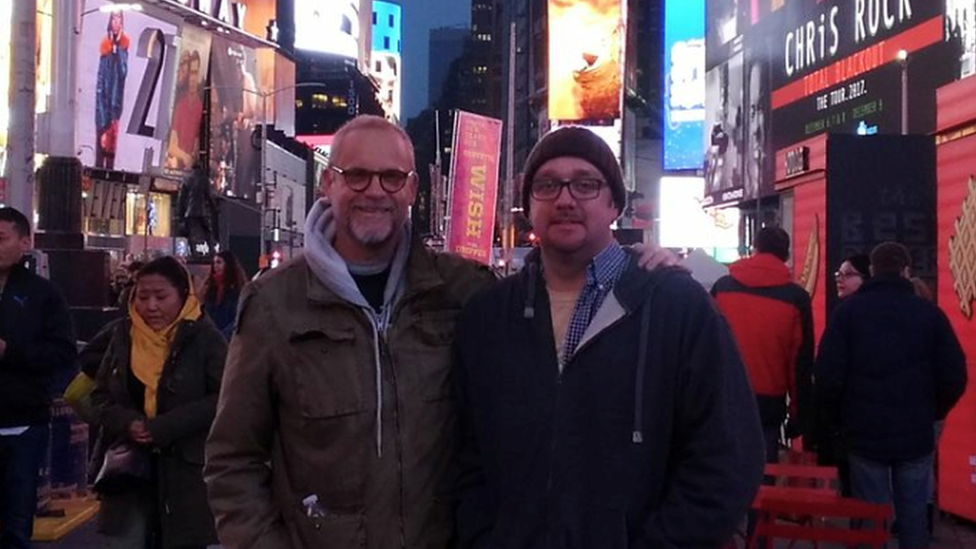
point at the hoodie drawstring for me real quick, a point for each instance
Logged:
(379, 385)
(645, 327)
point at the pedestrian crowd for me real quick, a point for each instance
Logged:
(375, 393)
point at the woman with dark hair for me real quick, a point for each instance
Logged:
(852, 273)
(222, 291)
(155, 397)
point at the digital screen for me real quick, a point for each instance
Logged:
(684, 223)
(684, 84)
(385, 64)
(328, 26)
(586, 39)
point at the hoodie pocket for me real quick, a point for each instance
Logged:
(328, 373)
(332, 530)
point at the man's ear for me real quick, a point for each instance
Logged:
(325, 182)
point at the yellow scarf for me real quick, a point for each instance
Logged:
(150, 348)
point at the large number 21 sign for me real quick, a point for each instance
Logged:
(157, 85)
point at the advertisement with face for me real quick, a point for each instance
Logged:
(235, 107)
(724, 131)
(810, 67)
(586, 40)
(684, 84)
(191, 77)
(328, 26)
(125, 82)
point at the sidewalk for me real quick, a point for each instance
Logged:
(950, 533)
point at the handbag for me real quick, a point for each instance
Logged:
(126, 466)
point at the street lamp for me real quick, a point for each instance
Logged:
(902, 58)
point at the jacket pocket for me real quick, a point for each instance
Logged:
(332, 530)
(431, 347)
(328, 372)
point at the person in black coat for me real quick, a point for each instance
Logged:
(601, 405)
(37, 349)
(891, 362)
(156, 389)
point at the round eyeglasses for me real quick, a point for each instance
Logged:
(359, 179)
(583, 188)
(846, 274)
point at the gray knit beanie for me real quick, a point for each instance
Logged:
(577, 142)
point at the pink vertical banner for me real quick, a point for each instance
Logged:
(474, 185)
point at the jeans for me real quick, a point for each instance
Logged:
(21, 457)
(873, 481)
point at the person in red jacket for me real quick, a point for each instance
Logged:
(772, 321)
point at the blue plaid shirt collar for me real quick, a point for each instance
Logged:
(601, 274)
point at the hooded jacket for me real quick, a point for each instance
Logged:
(351, 408)
(892, 362)
(772, 321)
(36, 326)
(649, 437)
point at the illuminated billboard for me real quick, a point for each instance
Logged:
(125, 83)
(586, 40)
(684, 84)
(781, 73)
(684, 223)
(328, 26)
(385, 64)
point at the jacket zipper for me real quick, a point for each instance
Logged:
(385, 349)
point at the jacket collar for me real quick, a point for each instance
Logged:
(898, 284)
(420, 272)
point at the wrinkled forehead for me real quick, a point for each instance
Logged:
(369, 136)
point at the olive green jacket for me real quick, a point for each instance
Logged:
(293, 458)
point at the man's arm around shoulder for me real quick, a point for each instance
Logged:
(239, 446)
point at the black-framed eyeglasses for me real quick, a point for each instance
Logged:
(359, 179)
(847, 274)
(583, 188)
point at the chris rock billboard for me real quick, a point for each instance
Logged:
(780, 73)
(586, 39)
(684, 83)
(385, 61)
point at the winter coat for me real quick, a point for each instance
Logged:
(300, 393)
(36, 326)
(772, 321)
(186, 402)
(110, 82)
(224, 313)
(893, 363)
(648, 438)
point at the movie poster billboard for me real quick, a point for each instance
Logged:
(474, 186)
(385, 63)
(684, 84)
(328, 26)
(125, 88)
(183, 145)
(586, 40)
(815, 66)
(235, 106)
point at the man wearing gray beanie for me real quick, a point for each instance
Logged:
(602, 405)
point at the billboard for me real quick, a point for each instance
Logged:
(684, 84)
(235, 106)
(780, 73)
(191, 76)
(684, 223)
(125, 89)
(474, 186)
(385, 64)
(328, 26)
(586, 40)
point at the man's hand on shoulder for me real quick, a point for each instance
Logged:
(652, 256)
(3, 348)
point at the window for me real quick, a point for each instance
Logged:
(391, 21)
(374, 17)
(386, 42)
